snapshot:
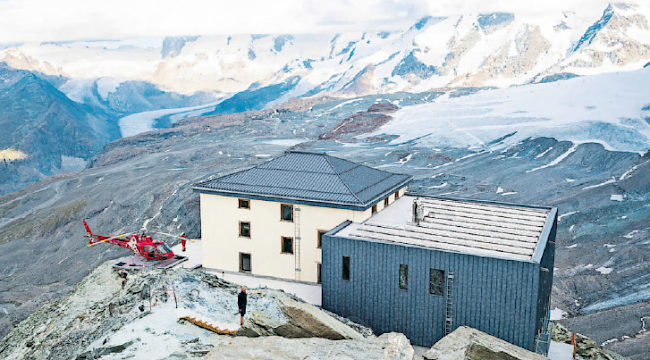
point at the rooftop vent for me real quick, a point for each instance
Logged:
(418, 212)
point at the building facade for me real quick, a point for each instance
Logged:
(270, 220)
(425, 266)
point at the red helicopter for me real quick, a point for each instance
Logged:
(149, 252)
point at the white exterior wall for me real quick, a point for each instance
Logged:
(221, 243)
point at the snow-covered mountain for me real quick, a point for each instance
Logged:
(479, 50)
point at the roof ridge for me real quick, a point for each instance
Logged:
(375, 183)
(308, 152)
(279, 187)
(290, 170)
(339, 176)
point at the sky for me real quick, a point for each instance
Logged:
(61, 20)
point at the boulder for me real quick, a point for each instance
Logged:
(466, 343)
(303, 321)
(397, 346)
(259, 324)
(291, 331)
(392, 346)
(585, 347)
(315, 321)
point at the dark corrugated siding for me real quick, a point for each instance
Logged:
(497, 296)
(546, 279)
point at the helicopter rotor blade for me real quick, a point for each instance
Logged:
(178, 237)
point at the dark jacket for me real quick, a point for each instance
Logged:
(241, 300)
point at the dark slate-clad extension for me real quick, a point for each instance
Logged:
(309, 178)
(454, 262)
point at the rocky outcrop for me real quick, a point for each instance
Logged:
(261, 324)
(303, 321)
(586, 348)
(471, 344)
(156, 311)
(391, 346)
(316, 321)
(361, 123)
(97, 353)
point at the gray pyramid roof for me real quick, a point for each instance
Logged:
(309, 177)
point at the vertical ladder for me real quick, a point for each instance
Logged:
(296, 221)
(449, 303)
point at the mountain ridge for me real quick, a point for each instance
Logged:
(437, 52)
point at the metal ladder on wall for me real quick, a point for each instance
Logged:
(296, 221)
(449, 303)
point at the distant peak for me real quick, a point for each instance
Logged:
(280, 41)
(494, 19)
(172, 45)
(613, 10)
(427, 20)
(622, 6)
(421, 23)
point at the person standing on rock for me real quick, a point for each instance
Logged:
(241, 303)
(183, 240)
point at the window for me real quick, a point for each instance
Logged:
(403, 277)
(286, 212)
(319, 241)
(244, 204)
(374, 208)
(150, 250)
(287, 245)
(244, 262)
(244, 229)
(385, 202)
(345, 275)
(318, 279)
(163, 249)
(436, 281)
(396, 194)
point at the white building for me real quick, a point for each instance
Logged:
(269, 220)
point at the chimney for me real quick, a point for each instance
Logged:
(418, 212)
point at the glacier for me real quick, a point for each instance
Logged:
(607, 109)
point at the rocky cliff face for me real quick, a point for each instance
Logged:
(617, 40)
(57, 124)
(54, 133)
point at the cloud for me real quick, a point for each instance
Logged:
(59, 20)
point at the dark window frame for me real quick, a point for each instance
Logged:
(386, 201)
(437, 288)
(282, 206)
(374, 209)
(282, 238)
(396, 194)
(247, 201)
(150, 250)
(241, 229)
(403, 277)
(319, 272)
(319, 238)
(345, 270)
(241, 262)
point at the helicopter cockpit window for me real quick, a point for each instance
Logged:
(163, 249)
(150, 250)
